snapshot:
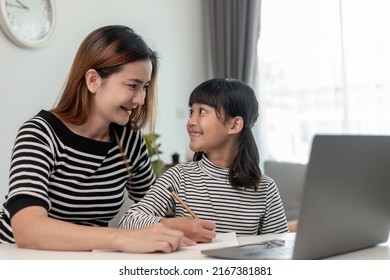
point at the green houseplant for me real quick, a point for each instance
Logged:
(154, 152)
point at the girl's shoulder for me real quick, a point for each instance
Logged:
(266, 181)
(185, 167)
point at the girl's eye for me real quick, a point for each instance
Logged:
(199, 111)
(132, 86)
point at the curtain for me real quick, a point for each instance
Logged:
(233, 28)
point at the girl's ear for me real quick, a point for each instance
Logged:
(92, 80)
(236, 125)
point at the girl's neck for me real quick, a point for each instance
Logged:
(223, 156)
(220, 159)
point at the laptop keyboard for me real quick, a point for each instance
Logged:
(276, 253)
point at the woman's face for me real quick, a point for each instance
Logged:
(121, 92)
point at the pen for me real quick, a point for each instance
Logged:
(182, 202)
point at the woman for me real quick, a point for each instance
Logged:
(71, 165)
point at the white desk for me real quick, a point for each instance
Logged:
(11, 252)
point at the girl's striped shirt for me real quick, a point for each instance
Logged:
(205, 188)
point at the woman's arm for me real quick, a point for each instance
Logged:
(33, 229)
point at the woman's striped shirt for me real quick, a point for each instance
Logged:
(205, 188)
(77, 179)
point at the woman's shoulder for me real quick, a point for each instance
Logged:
(42, 121)
(42, 115)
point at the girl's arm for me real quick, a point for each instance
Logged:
(196, 229)
(153, 207)
(150, 210)
(275, 218)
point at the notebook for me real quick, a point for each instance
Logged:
(345, 202)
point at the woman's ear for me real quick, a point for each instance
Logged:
(92, 80)
(236, 125)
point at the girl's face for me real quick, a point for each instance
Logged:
(116, 96)
(207, 133)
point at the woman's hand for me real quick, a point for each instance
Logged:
(33, 229)
(156, 238)
(197, 230)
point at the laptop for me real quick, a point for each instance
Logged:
(345, 202)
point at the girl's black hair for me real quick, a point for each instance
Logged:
(231, 98)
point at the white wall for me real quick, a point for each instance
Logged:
(31, 79)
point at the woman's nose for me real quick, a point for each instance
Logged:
(139, 98)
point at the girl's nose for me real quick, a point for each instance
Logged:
(191, 120)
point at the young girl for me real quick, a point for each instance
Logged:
(224, 185)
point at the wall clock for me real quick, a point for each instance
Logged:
(28, 23)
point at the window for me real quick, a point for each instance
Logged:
(324, 67)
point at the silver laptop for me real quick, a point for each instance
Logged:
(345, 203)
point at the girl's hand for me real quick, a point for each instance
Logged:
(197, 230)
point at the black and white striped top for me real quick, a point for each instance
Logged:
(204, 187)
(79, 180)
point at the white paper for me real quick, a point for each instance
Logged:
(221, 240)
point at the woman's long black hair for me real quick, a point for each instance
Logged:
(231, 98)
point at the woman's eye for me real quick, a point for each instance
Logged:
(132, 86)
(202, 111)
(190, 111)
